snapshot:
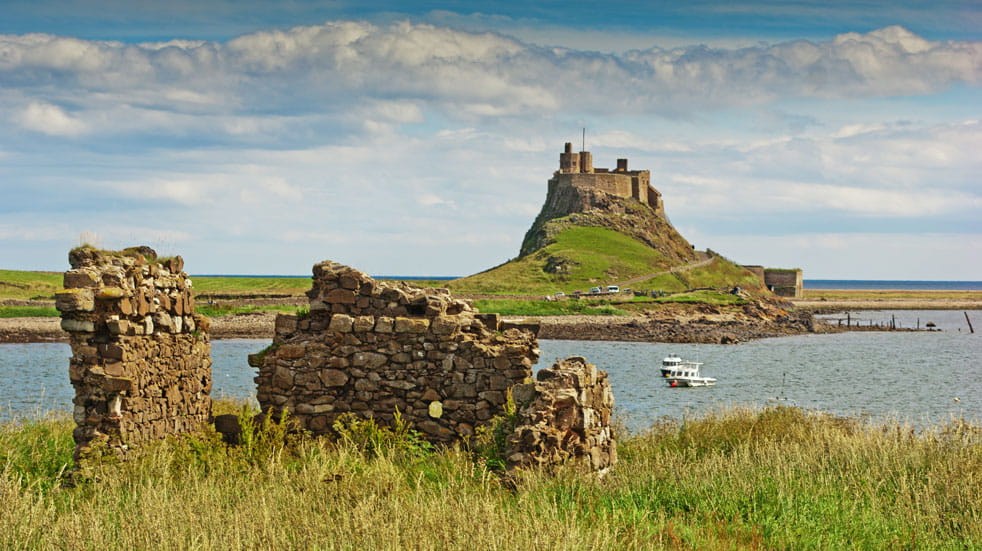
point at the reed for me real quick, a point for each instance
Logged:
(777, 478)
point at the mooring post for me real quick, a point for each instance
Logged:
(970, 328)
(849, 319)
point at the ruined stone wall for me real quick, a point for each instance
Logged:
(375, 347)
(564, 416)
(141, 363)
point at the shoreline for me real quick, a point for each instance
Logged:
(640, 328)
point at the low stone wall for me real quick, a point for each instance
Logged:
(141, 363)
(375, 347)
(564, 417)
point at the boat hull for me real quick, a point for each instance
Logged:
(685, 382)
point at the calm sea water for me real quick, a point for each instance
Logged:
(892, 284)
(914, 376)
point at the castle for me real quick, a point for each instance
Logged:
(576, 170)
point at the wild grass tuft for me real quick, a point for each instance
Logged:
(779, 478)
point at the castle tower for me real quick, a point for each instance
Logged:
(569, 162)
(586, 162)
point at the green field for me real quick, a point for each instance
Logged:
(23, 285)
(250, 285)
(739, 480)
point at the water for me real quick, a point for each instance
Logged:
(914, 376)
(892, 284)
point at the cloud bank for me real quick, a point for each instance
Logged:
(393, 74)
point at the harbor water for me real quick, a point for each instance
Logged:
(919, 377)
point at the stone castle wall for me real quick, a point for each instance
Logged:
(635, 184)
(141, 364)
(374, 348)
(564, 416)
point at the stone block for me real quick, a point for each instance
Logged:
(75, 300)
(291, 351)
(74, 279)
(384, 324)
(77, 326)
(340, 296)
(333, 377)
(341, 323)
(364, 323)
(371, 360)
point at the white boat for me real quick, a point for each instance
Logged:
(680, 373)
(673, 363)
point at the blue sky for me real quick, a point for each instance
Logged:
(417, 138)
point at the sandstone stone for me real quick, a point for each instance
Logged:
(364, 323)
(340, 296)
(75, 300)
(333, 377)
(80, 279)
(77, 325)
(291, 351)
(341, 323)
(435, 410)
(371, 360)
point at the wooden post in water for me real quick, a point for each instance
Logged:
(849, 319)
(970, 328)
(893, 321)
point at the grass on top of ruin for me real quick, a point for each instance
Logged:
(778, 478)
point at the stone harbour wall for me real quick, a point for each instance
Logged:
(564, 416)
(374, 347)
(141, 358)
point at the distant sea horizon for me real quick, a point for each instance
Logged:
(808, 283)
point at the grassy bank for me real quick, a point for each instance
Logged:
(776, 479)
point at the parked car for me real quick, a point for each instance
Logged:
(594, 290)
(560, 294)
(577, 292)
(613, 289)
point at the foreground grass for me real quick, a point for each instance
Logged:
(773, 479)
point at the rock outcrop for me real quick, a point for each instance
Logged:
(141, 363)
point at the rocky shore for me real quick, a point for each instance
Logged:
(698, 329)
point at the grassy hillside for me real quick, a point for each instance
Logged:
(582, 257)
(578, 258)
(780, 478)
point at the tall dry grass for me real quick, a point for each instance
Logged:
(773, 479)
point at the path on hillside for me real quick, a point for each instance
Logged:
(677, 269)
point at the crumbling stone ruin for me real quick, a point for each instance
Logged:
(141, 363)
(564, 416)
(374, 348)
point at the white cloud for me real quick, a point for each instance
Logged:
(395, 74)
(50, 119)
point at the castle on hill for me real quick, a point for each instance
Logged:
(577, 170)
